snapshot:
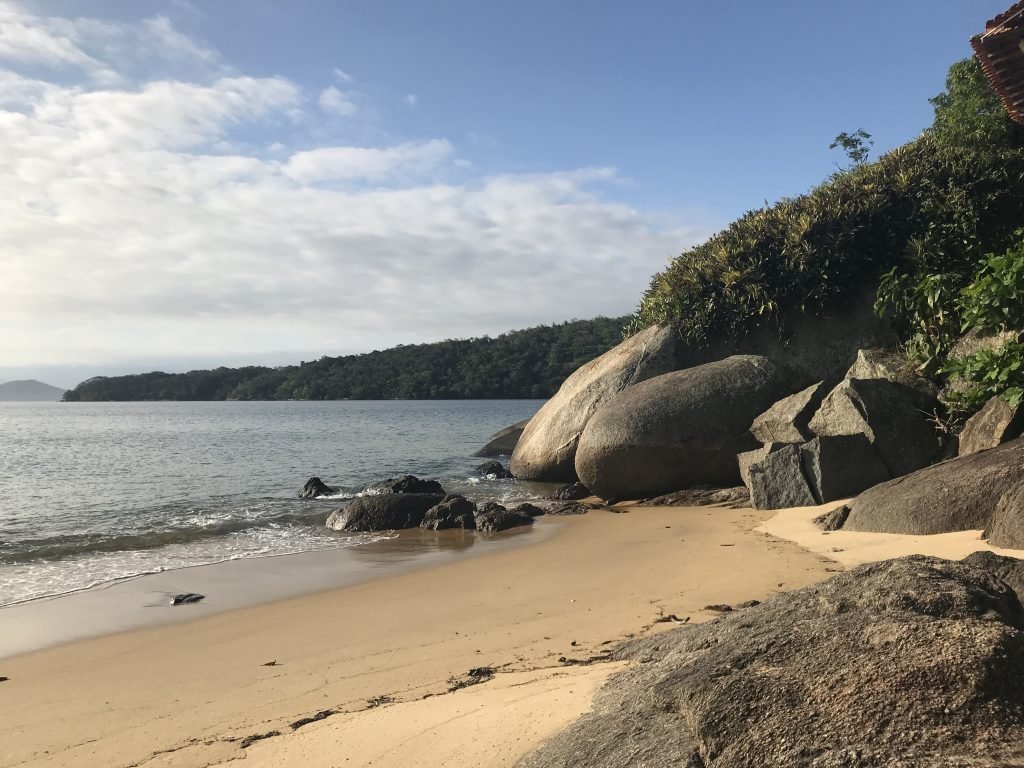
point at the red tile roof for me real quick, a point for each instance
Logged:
(1000, 49)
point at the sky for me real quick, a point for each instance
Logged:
(189, 184)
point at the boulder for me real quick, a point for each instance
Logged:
(384, 512)
(500, 519)
(547, 448)
(787, 420)
(571, 492)
(916, 662)
(678, 430)
(405, 484)
(893, 367)
(1007, 526)
(777, 481)
(957, 495)
(493, 470)
(316, 487)
(1009, 569)
(993, 425)
(840, 467)
(454, 511)
(748, 458)
(530, 510)
(890, 416)
(504, 441)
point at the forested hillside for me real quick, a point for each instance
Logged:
(520, 364)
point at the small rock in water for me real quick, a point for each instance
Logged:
(186, 598)
(493, 470)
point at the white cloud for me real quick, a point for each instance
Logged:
(135, 223)
(353, 163)
(343, 76)
(412, 99)
(335, 102)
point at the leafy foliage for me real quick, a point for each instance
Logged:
(995, 299)
(519, 364)
(925, 306)
(856, 145)
(930, 208)
(986, 374)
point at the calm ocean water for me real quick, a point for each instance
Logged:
(95, 492)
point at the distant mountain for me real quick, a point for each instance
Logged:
(30, 389)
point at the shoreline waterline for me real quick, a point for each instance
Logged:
(143, 600)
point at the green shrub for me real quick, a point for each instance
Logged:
(986, 374)
(995, 299)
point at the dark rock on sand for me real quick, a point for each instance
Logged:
(405, 484)
(834, 519)
(493, 469)
(547, 448)
(384, 512)
(777, 481)
(1007, 526)
(916, 662)
(678, 430)
(571, 492)
(500, 519)
(957, 495)
(503, 442)
(573, 508)
(888, 413)
(840, 467)
(993, 425)
(787, 420)
(315, 487)
(530, 510)
(187, 598)
(487, 507)
(733, 498)
(453, 512)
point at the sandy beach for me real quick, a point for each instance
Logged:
(382, 656)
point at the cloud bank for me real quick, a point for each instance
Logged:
(155, 202)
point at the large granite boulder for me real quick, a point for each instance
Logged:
(384, 512)
(910, 663)
(678, 430)
(453, 511)
(504, 441)
(993, 425)
(404, 484)
(747, 459)
(787, 421)
(777, 481)
(547, 448)
(889, 414)
(1007, 526)
(957, 495)
(315, 487)
(840, 467)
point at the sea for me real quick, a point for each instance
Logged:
(96, 493)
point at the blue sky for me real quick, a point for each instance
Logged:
(253, 181)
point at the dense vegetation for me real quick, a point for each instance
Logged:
(920, 223)
(519, 364)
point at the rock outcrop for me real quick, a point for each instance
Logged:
(493, 470)
(777, 481)
(910, 662)
(315, 487)
(497, 518)
(453, 511)
(1007, 526)
(503, 442)
(787, 420)
(993, 425)
(405, 484)
(547, 448)
(678, 430)
(840, 467)
(384, 512)
(957, 495)
(889, 414)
